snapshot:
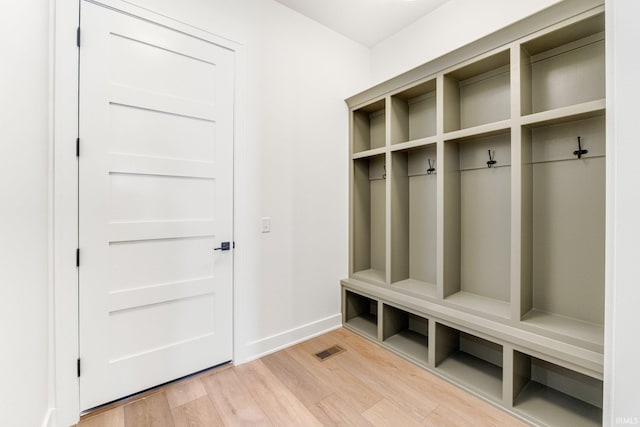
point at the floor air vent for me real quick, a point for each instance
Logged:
(331, 351)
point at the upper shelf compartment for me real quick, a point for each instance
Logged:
(564, 67)
(478, 93)
(413, 113)
(369, 127)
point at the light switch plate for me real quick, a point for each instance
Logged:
(266, 224)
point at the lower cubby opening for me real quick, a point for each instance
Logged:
(406, 333)
(469, 360)
(361, 314)
(554, 395)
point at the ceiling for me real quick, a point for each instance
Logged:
(365, 21)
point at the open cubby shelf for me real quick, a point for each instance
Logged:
(543, 392)
(564, 67)
(369, 127)
(551, 407)
(478, 202)
(470, 360)
(361, 314)
(477, 93)
(414, 113)
(554, 395)
(406, 333)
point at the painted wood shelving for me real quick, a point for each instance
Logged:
(477, 228)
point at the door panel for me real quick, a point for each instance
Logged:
(129, 133)
(156, 197)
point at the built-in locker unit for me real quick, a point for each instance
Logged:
(477, 216)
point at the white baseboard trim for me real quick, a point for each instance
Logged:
(49, 418)
(262, 347)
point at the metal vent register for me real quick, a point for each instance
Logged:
(331, 351)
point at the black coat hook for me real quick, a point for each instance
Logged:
(491, 162)
(579, 152)
(384, 175)
(431, 168)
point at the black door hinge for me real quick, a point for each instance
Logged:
(77, 147)
(78, 365)
(78, 37)
(78, 257)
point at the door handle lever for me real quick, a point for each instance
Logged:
(224, 246)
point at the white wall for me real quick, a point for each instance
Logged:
(622, 376)
(294, 167)
(453, 25)
(24, 183)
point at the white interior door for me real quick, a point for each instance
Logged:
(156, 198)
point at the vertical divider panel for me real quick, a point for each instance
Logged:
(507, 375)
(388, 183)
(381, 321)
(522, 187)
(343, 304)
(433, 343)
(521, 374)
(440, 182)
(352, 196)
(516, 184)
(526, 230)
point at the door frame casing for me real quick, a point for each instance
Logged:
(65, 296)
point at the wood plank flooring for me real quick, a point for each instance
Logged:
(363, 386)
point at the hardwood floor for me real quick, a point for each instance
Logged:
(363, 386)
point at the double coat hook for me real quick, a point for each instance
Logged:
(579, 152)
(431, 169)
(491, 162)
